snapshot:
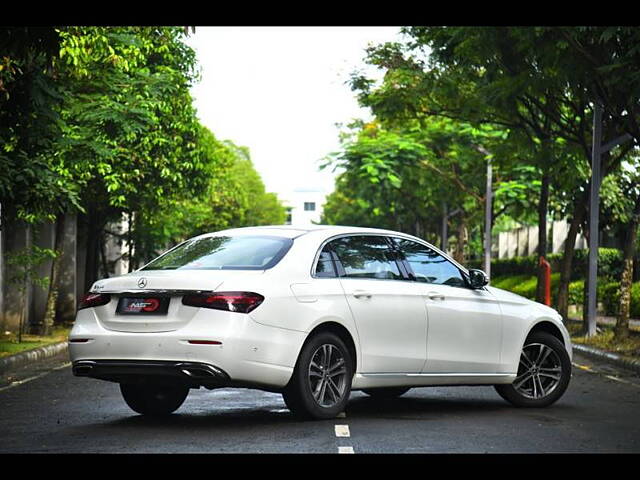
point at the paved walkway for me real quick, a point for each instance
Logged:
(603, 320)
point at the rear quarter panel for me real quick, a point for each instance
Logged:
(294, 300)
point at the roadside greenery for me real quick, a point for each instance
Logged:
(9, 345)
(99, 121)
(607, 340)
(452, 99)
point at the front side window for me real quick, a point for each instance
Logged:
(224, 253)
(366, 257)
(429, 266)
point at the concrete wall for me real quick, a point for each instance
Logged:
(15, 296)
(524, 241)
(32, 299)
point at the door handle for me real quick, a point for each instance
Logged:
(435, 296)
(361, 293)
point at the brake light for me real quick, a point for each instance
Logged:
(94, 300)
(242, 302)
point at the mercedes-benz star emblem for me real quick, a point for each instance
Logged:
(142, 282)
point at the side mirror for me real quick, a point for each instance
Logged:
(478, 279)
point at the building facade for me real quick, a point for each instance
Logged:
(304, 206)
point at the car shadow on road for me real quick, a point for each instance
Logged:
(420, 407)
(426, 408)
(207, 416)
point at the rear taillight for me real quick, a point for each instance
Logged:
(242, 302)
(94, 300)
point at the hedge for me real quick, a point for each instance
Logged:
(609, 264)
(525, 285)
(608, 292)
(611, 297)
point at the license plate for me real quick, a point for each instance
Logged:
(143, 305)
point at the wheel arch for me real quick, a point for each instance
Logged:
(548, 327)
(342, 332)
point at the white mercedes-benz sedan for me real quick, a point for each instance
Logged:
(314, 313)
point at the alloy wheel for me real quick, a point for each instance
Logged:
(539, 371)
(327, 375)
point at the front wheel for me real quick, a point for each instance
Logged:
(543, 374)
(153, 399)
(321, 381)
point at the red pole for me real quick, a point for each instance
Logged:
(546, 267)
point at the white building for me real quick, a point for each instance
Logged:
(304, 206)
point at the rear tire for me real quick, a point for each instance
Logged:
(153, 400)
(321, 382)
(543, 375)
(387, 392)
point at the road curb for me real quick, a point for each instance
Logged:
(32, 356)
(619, 360)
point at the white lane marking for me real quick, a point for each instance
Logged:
(342, 431)
(345, 450)
(27, 380)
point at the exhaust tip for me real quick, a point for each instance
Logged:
(201, 372)
(197, 372)
(82, 370)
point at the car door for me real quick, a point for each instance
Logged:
(388, 309)
(464, 324)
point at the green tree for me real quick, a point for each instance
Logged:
(30, 126)
(399, 176)
(516, 77)
(234, 197)
(130, 129)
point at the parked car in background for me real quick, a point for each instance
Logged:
(314, 313)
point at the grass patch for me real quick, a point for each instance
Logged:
(605, 340)
(9, 343)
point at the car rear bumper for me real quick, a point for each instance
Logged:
(246, 352)
(194, 374)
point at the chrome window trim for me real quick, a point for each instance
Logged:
(354, 234)
(391, 235)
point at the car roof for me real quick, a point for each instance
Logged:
(293, 232)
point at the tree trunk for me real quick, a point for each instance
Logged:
(585, 292)
(103, 255)
(130, 241)
(462, 240)
(543, 208)
(54, 283)
(622, 322)
(579, 211)
(93, 247)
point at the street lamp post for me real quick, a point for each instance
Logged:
(594, 211)
(487, 221)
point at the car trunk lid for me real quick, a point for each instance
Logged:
(135, 292)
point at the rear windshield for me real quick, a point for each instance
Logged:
(224, 253)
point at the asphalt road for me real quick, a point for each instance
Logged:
(49, 410)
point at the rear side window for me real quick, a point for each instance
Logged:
(366, 257)
(429, 266)
(224, 253)
(325, 267)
